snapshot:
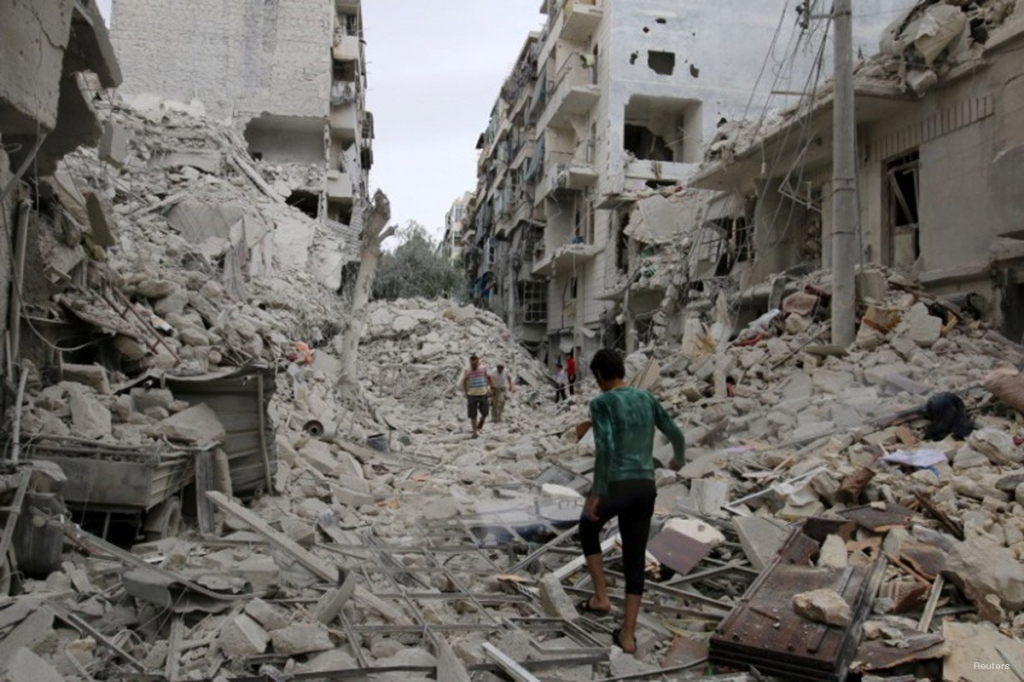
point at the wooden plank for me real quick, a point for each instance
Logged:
(84, 628)
(511, 668)
(314, 564)
(933, 600)
(204, 484)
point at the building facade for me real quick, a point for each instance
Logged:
(611, 101)
(290, 75)
(940, 157)
(455, 229)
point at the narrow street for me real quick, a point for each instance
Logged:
(228, 456)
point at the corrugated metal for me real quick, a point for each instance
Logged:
(234, 396)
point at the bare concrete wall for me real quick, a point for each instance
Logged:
(240, 57)
(33, 36)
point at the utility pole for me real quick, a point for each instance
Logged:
(845, 211)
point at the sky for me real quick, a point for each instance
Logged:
(434, 69)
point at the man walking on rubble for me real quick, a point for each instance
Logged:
(623, 419)
(476, 386)
(501, 385)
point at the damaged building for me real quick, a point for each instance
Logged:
(290, 75)
(939, 148)
(611, 100)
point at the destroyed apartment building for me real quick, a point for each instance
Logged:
(610, 100)
(190, 491)
(290, 75)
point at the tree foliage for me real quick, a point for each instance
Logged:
(417, 268)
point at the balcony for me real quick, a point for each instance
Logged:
(339, 187)
(572, 93)
(580, 19)
(344, 122)
(660, 171)
(570, 175)
(347, 48)
(565, 258)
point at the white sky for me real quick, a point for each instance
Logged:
(434, 70)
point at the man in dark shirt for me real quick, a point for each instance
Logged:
(623, 420)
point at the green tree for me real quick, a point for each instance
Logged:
(417, 268)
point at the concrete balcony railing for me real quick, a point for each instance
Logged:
(564, 258)
(344, 122)
(580, 19)
(572, 93)
(347, 48)
(339, 187)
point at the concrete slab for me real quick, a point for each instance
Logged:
(761, 539)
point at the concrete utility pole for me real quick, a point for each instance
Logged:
(844, 182)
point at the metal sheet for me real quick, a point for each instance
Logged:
(879, 520)
(234, 398)
(765, 631)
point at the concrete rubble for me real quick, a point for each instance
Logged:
(304, 528)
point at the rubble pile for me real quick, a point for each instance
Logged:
(271, 520)
(426, 344)
(217, 272)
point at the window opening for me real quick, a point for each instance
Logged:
(903, 188)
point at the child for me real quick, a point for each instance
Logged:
(561, 379)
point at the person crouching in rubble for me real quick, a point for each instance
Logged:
(623, 419)
(476, 386)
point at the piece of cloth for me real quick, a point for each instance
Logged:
(477, 404)
(921, 459)
(477, 381)
(633, 503)
(624, 420)
(498, 401)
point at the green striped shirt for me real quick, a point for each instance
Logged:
(624, 420)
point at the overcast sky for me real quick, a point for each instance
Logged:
(434, 70)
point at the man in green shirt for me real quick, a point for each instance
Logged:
(623, 420)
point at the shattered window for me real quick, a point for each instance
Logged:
(902, 185)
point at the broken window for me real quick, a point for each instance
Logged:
(622, 243)
(663, 129)
(643, 143)
(533, 298)
(725, 242)
(662, 63)
(902, 185)
(584, 230)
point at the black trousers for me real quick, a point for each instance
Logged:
(633, 503)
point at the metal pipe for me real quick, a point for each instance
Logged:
(16, 430)
(20, 245)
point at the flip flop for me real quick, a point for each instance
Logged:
(585, 607)
(617, 641)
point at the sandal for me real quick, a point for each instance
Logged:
(617, 641)
(584, 607)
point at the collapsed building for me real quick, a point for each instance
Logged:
(190, 496)
(939, 135)
(609, 100)
(291, 76)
